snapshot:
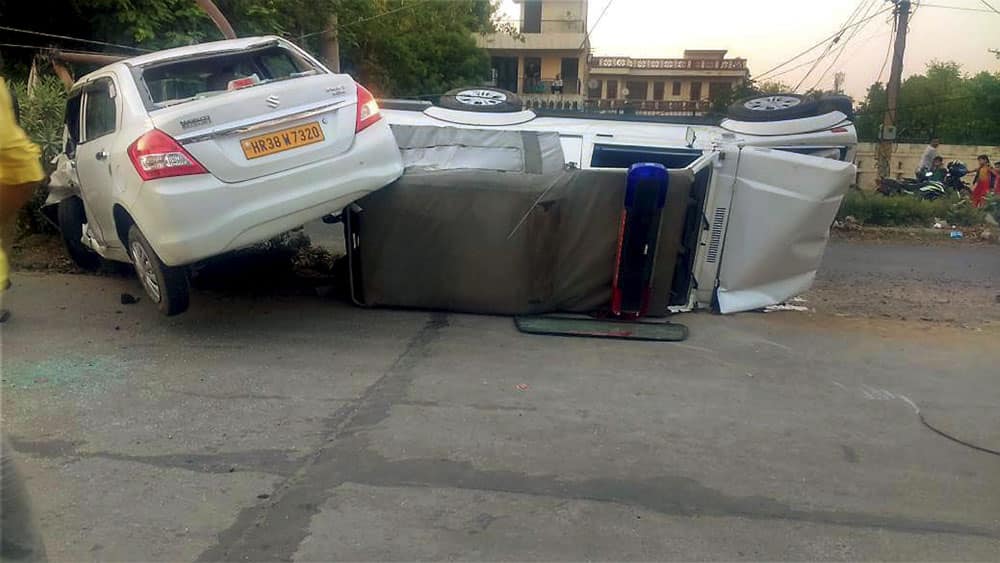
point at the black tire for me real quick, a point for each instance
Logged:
(170, 293)
(481, 99)
(774, 107)
(71, 216)
(843, 104)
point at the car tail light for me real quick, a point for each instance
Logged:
(158, 155)
(368, 112)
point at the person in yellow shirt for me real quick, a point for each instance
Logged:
(20, 174)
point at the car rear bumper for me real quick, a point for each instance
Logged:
(191, 218)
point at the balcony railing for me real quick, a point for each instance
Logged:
(536, 85)
(626, 107)
(567, 25)
(668, 64)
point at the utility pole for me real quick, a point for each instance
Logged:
(887, 135)
(331, 44)
(838, 83)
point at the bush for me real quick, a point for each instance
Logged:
(42, 119)
(902, 211)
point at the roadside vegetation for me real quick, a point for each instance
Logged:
(41, 115)
(943, 102)
(874, 209)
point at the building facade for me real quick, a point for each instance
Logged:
(548, 62)
(550, 66)
(663, 85)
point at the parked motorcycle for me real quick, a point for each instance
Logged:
(926, 188)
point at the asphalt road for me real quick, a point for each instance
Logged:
(962, 263)
(291, 427)
(956, 284)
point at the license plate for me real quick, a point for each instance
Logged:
(280, 141)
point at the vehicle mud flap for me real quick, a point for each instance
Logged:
(352, 217)
(638, 233)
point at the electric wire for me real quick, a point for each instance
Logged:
(68, 38)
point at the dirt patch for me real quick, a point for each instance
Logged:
(985, 235)
(42, 253)
(286, 264)
(959, 304)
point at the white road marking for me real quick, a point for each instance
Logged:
(913, 405)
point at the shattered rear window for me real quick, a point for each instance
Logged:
(185, 80)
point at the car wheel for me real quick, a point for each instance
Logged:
(71, 217)
(773, 107)
(481, 100)
(166, 286)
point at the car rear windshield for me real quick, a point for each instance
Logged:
(185, 80)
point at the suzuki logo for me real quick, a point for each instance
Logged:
(273, 101)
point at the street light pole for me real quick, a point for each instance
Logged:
(887, 134)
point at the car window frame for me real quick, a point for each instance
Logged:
(87, 88)
(73, 138)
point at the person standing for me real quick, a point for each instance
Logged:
(930, 153)
(557, 85)
(996, 178)
(20, 174)
(984, 181)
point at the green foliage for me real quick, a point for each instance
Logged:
(942, 102)
(42, 114)
(420, 51)
(902, 211)
(395, 47)
(42, 119)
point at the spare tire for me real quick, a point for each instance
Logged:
(772, 107)
(838, 102)
(481, 99)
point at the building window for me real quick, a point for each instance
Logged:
(695, 91)
(657, 90)
(677, 88)
(594, 88)
(612, 89)
(532, 17)
(636, 89)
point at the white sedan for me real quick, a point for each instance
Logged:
(184, 154)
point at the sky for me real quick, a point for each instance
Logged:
(768, 32)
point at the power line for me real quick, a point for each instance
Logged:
(409, 6)
(68, 38)
(990, 6)
(821, 42)
(934, 103)
(596, 23)
(960, 8)
(834, 44)
(843, 47)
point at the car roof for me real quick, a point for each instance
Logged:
(201, 49)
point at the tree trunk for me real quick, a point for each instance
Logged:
(220, 20)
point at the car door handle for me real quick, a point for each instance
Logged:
(101, 155)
